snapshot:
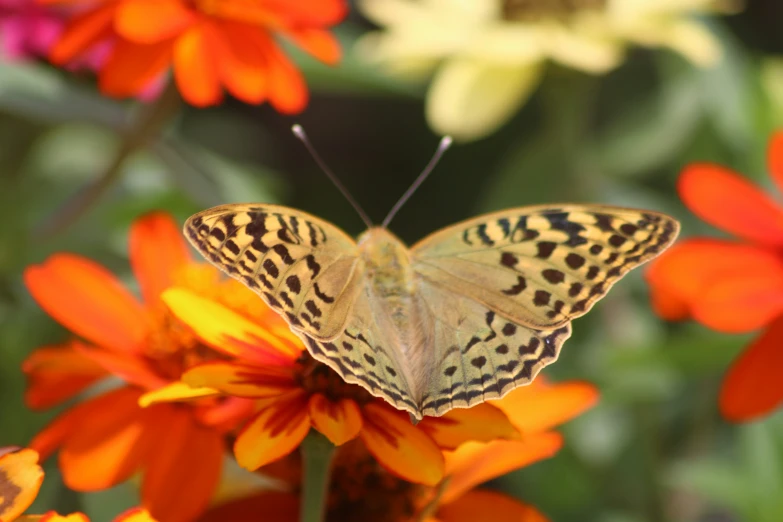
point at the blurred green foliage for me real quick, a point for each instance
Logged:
(654, 450)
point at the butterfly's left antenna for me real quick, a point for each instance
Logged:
(300, 133)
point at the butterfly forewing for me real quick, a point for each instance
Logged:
(302, 266)
(542, 266)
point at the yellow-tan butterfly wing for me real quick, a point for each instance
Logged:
(301, 266)
(542, 266)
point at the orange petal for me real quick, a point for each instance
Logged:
(274, 433)
(228, 414)
(151, 21)
(682, 274)
(276, 507)
(731, 203)
(242, 381)
(129, 367)
(474, 463)
(157, 251)
(312, 13)
(229, 332)
(399, 446)
(775, 159)
(88, 300)
(241, 62)
(20, 480)
(541, 406)
(135, 515)
(752, 386)
(488, 506)
(742, 302)
(84, 31)
(132, 67)
(287, 91)
(194, 66)
(179, 482)
(102, 445)
(340, 421)
(321, 44)
(56, 374)
(483, 423)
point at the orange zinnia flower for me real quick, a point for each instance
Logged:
(109, 437)
(297, 393)
(20, 480)
(732, 285)
(363, 491)
(209, 44)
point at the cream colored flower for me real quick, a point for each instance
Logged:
(488, 55)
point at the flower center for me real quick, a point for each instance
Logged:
(535, 10)
(316, 377)
(172, 347)
(362, 490)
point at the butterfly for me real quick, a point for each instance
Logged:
(463, 316)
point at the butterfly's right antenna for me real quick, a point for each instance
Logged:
(300, 133)
(445, 143)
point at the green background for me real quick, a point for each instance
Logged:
(654, 450)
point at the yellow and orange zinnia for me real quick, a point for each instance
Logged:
(20, 479)
(297, 393)
(363, 491)
(209, 44)
(107, 438)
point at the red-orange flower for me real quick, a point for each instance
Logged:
(732, 285)
(209, 44)
(297, 393)
(20, 479)
(363, 491)
(107, 438)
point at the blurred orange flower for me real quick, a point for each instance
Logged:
(361, 490)
(109, 437)
(209, 44)
(732, 285)
(297, 393)
(20, 480)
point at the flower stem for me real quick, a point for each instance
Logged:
(317, 453)
(150, 120)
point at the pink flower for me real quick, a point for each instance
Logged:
(27, 30)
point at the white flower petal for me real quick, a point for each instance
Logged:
(469, 99)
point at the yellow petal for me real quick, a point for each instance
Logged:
(541, 406)
(274, 433)
(20, 480)
(176, 392)
(135, 515)
(400, 447)
(228, 331)
(470, 98)
(482, 423)
(242, 381)
(475, 463)
(339, 421)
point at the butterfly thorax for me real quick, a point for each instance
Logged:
(388, 265)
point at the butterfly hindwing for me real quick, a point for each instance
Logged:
(476, 354)
(300, 265)
(367, 353)
(542, 266)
